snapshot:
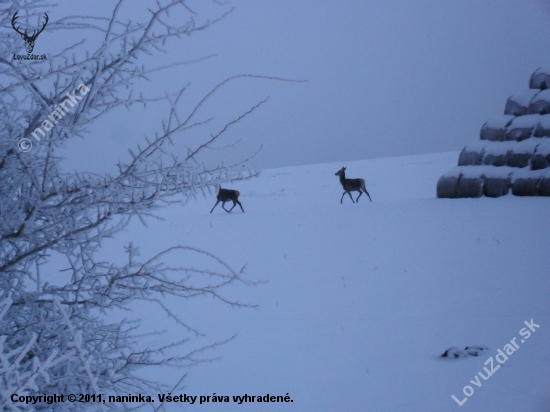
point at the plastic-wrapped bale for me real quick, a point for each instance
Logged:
(524, 187)
(526, 182)
(475, 181)
(471, 182)
(518, 104)
(447, 184)
(522, 153)
(540, 104)
(496, 153)
(495, 129)
(543, 127)
(543, 187)
(541, 157)
(540, 79)
(522, 127)
(459, 182)
(497, 181)
(472, 154)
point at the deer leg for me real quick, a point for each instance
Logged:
(349, 193)
(360, 193)
(234, 204)
(368, 195)
(215, 206)
(223, 206)
(241, 206)
(342, 198)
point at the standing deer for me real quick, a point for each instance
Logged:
(351, 185)
(29, 40)
(224, 195)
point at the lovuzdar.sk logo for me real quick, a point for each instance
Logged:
(29, 39)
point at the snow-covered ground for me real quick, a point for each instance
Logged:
(360, 300)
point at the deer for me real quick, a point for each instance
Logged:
(351, 185)
(224, 195)
(29, 40)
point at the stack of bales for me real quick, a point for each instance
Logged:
(513, 151)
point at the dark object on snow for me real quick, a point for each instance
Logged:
(455, 353)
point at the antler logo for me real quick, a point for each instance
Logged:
(29, 40)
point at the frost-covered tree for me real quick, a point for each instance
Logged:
(55, 338)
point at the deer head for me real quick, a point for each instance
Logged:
(29, 40)
(341, 172)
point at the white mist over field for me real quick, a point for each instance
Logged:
(360, 300)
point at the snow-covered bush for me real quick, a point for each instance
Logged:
(55, 338)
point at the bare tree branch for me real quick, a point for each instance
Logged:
(56, 338)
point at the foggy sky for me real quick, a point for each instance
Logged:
(384, 78)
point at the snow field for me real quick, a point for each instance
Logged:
(359, 300)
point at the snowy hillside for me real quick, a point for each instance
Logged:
(360, 300)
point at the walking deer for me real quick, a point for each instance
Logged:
(224, 195)
(351, 185)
